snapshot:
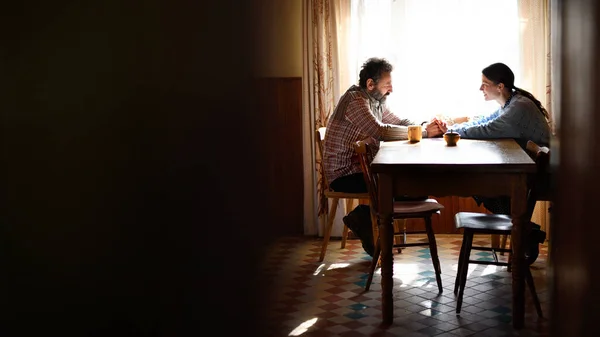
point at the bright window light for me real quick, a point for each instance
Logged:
(319, 269)
(490, 269)
(438, 49)
(303, 327)
(338, 265)
(406, 273)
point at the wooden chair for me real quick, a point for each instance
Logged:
(543, 190)
(483, 223)
(335, 197)
(402, 210)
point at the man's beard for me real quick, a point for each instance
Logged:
(378, 96)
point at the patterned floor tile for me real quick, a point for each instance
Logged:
(327, 298)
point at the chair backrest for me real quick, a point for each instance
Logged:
(319, 137)
(538, 183)
(365, 156)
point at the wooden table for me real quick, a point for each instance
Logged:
(473, 167)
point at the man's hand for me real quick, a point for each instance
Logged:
(443, 125)
(436, 128)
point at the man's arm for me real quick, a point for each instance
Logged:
(430, 129)
(389, 118)
(359, 114)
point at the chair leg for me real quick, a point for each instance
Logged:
(461, 261)
(509, 267)
(434, 253)
(468, 242)
(536, 300)
(345, 232)
(548, 237)
(375, 225)
(503, 243)
(374, 264)
(495, 240)
(328, 227)
(404, 238)
(397, 238)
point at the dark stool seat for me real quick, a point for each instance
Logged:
(484, 222)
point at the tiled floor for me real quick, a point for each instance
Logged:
(328, 299)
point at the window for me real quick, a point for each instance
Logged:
(438, 49)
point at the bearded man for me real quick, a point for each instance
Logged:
(362, 114)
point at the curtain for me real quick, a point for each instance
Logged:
(321, 89)
(536, 65)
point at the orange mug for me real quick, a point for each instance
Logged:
(415, 133)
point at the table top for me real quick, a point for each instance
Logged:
(468, 156)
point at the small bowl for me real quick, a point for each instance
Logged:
(451, 138)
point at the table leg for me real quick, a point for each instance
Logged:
(519, 234)
(386, 234)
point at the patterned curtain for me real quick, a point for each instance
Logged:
(536, 66)
(321, 90)
(323, 74)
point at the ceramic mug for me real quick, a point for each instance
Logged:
(415, 132)
(451, 138)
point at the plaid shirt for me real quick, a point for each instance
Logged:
(358, 116)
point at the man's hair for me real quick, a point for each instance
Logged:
(373, 68)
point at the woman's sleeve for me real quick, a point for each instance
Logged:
(482, 120)
(506, 125)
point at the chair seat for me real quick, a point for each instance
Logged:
(346, 195)
(483, 221)
(402, 208)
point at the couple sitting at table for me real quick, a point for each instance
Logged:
(361, 113)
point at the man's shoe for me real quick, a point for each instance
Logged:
(352, 223)
(359, 222)
(536, 237)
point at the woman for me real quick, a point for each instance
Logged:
(520, 116)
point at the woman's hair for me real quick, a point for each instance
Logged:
(501, 73)
(373, 68)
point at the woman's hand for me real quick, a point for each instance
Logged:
(435, 128)
(458, 120)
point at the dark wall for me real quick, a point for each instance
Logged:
(280, 98)
(574, 273)
(128, 139)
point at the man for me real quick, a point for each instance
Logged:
(360, 114)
